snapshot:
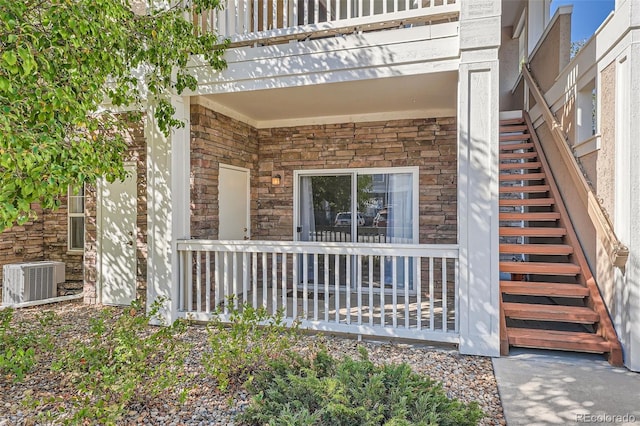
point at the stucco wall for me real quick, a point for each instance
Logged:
(509, 71)
(605, 177)
(553, 54)
(566, 116)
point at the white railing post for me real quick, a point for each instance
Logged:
(444, 294)
(274, 282)
(336, 270)
(208, 282)
(199, 280)
(326, 287)
(432, 303)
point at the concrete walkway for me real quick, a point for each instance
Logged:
(556, 388)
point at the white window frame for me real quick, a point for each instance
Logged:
(71, 215)
(354, 172)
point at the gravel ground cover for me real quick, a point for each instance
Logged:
(464, 377)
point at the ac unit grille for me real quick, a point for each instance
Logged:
(26, 282)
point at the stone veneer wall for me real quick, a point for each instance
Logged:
(45, 238)
(55, 248)
(427, 143)
(215, 139)
(138, 154)
(22, 243)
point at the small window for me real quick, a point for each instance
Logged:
(75, 214)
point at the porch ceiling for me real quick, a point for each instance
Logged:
(414, 96)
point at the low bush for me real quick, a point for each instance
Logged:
(325, 391)
(124, 361)
(22, 344)
(244, 343)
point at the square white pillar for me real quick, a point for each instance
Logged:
(627, 198)
(478, 114)
(168, 211)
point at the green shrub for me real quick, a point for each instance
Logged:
(245, 343)
(325, 391)
(22, 344)
(124, 360)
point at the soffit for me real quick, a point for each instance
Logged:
(434, 93)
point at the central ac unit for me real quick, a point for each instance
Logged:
(26, 282)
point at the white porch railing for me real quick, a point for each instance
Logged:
(387, 290)
(255, 20)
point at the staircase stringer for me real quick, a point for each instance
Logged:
(605, 326)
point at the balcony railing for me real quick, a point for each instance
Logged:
(388, 290)
(251, 21)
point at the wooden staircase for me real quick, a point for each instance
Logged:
(549, 298)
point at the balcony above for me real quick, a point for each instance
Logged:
(260, 22)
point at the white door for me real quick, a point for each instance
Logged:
(233, 203)
(233, 208)
(117, 235)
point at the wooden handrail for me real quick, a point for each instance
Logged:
(618, 252)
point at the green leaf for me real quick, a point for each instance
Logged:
(5, 84)
(10, 57)
(28, 63)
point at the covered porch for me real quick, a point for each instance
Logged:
(408, 106)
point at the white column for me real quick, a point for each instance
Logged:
(478, 112)
(627, 201)
(168, 213)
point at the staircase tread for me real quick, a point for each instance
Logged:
(527, 202)
(515, 137)
(551, 310)
(513, 127)
(531, 231)
(514, 146)
(549, 289)
(523, 189)
(540, 268)
(512, 121)
(542, 249)
(522, 176)
(554, 339)
(529, 216)
(517, 155)
(523, 166)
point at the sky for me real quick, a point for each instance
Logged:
(587, 15)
